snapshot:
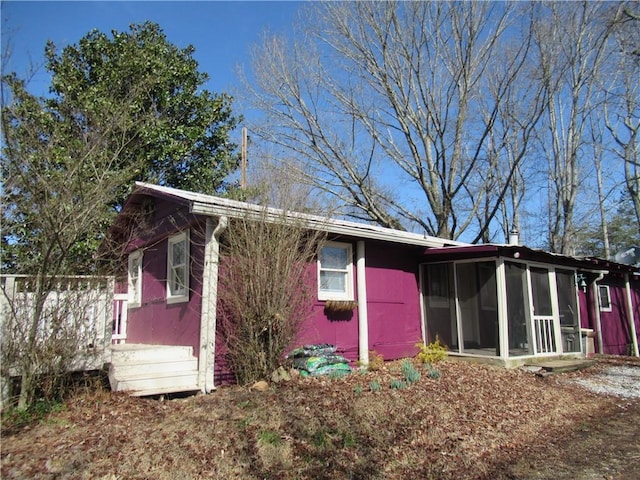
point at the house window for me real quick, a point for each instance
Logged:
(178, 268)
(335, 272)
(135, 279)
(605, 298)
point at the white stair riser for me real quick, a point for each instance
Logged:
(186, 380)
(151, 355)
(124, 370)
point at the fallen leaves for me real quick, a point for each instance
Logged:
(473, 422)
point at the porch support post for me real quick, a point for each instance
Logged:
(503, 321)
(208, 312)
(363, 320)
(632, 321)
(596, 306)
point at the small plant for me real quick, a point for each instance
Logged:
(335, 374)
(376, 361)
(397, 384)
(411, 375)
(434, 374)
(432, 352)
(357, 389)
(375, 386)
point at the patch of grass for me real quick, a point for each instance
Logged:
(375, 386)
(270, 437)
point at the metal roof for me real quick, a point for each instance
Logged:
(210, 205)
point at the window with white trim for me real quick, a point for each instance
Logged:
(178, 268)
(134, 279)
(335, 272)
(605, 298)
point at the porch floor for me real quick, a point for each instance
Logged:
(562, 366)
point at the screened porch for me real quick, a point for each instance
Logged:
(503, 308)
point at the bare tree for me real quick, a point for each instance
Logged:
(622, 103)
(571, 48)
(382, 105)
(58, 185)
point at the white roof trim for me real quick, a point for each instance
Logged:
(210, 205)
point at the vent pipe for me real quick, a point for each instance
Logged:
(514, 237)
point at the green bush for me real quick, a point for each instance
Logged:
(432, 352)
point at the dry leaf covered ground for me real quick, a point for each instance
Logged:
(475, 421)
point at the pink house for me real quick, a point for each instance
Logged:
(503, 303)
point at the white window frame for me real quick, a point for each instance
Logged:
(183, 295)
(347, 294)
(608, 307)
(134, 279)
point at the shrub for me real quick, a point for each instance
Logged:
(375, 386)
(376, 361)
(432, 352)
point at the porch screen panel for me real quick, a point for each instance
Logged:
(568, 310)
(543, 311)
(520, 340)
(478, 307)
(440, 305)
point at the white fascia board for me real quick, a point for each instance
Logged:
(231, 208)
(210, 205)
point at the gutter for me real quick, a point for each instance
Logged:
(208, 310)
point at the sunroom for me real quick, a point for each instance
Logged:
(503, 303)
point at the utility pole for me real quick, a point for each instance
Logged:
(243, 160)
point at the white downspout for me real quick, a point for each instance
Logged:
(206, 361)
(632, 321)
(596, 295)
(363, 320)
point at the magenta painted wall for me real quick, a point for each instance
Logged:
(155, 322)
(393, 301)
(616, 328)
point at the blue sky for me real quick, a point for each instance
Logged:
(221, 32)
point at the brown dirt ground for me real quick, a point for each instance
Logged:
(474, 422)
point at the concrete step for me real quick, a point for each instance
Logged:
(133, 353)
(123, 370)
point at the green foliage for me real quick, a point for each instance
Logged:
(375, 386)
(397, 384)
(14, 419)
(269, 437)
(124, 107)
(431, 353)
(622, 228)
(434, 374)
(357, 389)
(411, 375)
